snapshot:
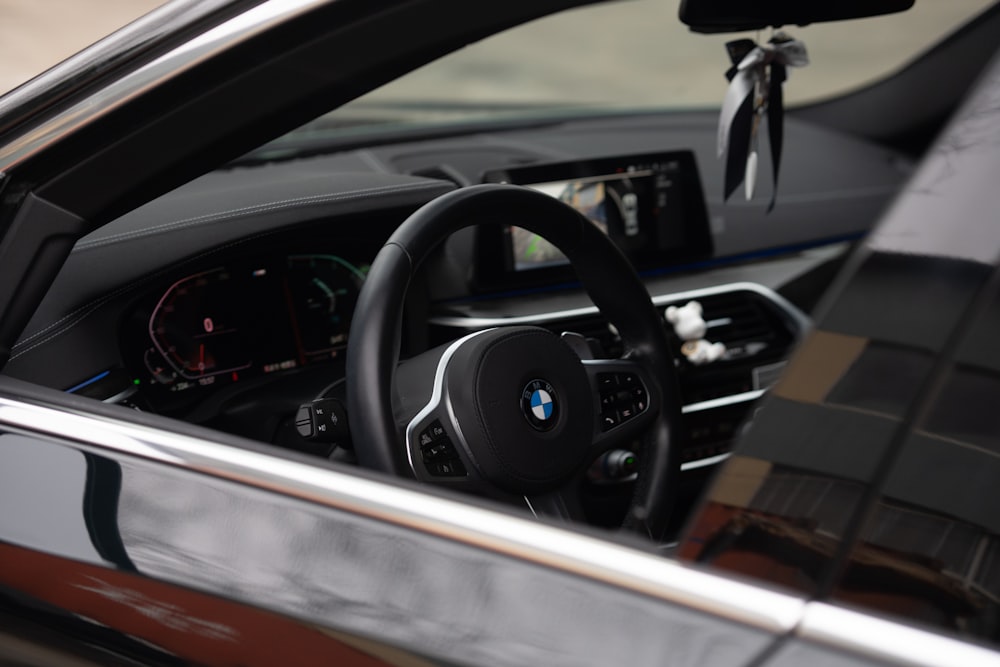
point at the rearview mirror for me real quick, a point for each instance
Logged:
(711, 16)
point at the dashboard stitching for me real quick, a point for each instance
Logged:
(81, 313)
(259, 208)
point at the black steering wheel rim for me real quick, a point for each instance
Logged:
(608, 277)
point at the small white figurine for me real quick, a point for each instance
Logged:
(690, 327)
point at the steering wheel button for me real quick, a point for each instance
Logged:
(609, 420)
(329, 420)
(452, 468)
(304, 421)
(432, 433)
(627, 412)
(607, 382)
(437, 452)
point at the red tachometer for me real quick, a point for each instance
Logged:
(199, 329)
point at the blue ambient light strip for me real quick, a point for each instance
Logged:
(86, 383)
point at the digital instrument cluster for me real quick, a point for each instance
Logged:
(244, 320)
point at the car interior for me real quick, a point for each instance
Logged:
(230, 301)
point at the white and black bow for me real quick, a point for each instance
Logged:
(755, 88)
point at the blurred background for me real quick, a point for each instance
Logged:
(37, 34)
(634, 53)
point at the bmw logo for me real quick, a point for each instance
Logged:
(538, 403)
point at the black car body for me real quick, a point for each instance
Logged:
(161, 505)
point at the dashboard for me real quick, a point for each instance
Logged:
(228, 302)
(239, 321)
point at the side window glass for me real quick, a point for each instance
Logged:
(800, 485)
(930, 548)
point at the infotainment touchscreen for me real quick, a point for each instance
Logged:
(607, 200)
(651, 206)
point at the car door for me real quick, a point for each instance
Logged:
(160, 546)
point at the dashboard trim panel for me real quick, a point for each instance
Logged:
(459, 321)
(722, 402)
(704, 463)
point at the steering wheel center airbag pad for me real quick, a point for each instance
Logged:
(517, 446)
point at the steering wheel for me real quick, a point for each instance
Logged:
(514, 410)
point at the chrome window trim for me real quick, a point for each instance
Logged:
(886, 640)
(659, 300)
(521, 538)
(199, 49)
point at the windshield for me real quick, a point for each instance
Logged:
(631, 54)
(637, 55)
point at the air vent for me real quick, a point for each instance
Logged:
(758, 334)
(593, 328)
(737, 319)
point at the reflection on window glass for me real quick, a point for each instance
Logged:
(927, 567)
(967, 411)
(930, 551)
(774, 523)
(884, 379)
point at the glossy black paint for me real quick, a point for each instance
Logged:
(216, 572)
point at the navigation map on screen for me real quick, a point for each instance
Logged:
(600, 199)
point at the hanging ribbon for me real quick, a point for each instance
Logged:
(755, 89)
